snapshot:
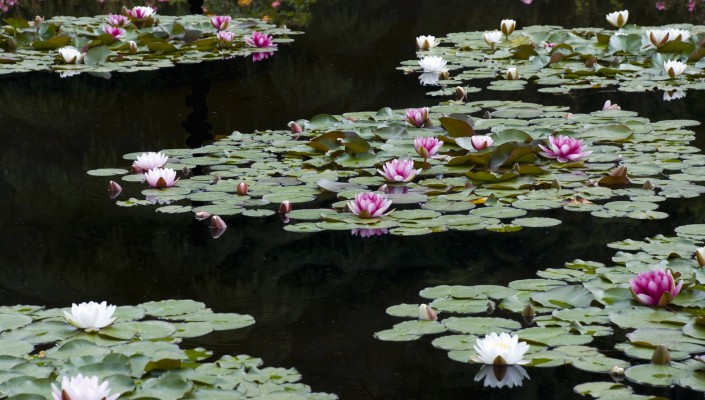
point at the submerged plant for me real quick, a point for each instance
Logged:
(655, 288)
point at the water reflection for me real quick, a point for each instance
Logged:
(196, 123)
(669, 95)
(497, 376)
(430, 78)
(368, 232)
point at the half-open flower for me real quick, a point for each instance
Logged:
(433, 64)
(114, 31)
(148, 161)
(70, 55)
(674, 68)
(399, 171)
(259, 39)
(220, 22)
(140, 13)
(117, 20)
(427, 147)
(416, 116)
(564, 149)
(426, 42)
(225, 36)
(502, 349)
(426, 313)
(512, 74)
(618, 18)
(501, 376)
(507, 26)
(481, 142)
(491, 38)
(161, 178)
(655, 288)
(90, 316)
(609, 106)
(369, 205)
(81, 387)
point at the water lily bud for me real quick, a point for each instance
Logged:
(443, 75)
(661, 356)
(114, 187)
(426, 313)
(700, 256)
(490, 307)
(512, 74)
(133, 46)
(619, 171)
(186, 171)
(590, 62)
(487, 115)
(507, 26)
(460, 93)
(202, 215)
(218, 223)
(591, 183)
(384, 188)
(124, 11)
(648, 186)
(215, 180)
(617, 370)
(555, 184)
(242, 188)
(38, 20)
(295, 128)
(285, 207)
(529, 313)
(618, 18)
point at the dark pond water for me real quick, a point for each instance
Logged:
(317, 298)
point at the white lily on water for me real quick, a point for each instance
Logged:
(502, 349)
(90, 316)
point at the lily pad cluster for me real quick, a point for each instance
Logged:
(635, 164)
(561, 60)
(139, 355)
(164, 42)
(563, 310)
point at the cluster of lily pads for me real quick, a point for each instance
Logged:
(631, 58)
(99, 351)
(565, 308)
(136, 39)
(493, 162)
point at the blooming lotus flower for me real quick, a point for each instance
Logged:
(225, 36)
(565, 149)
(399, 171)
(512, 74)
(362, 232)
(507, 26)
(140, 13)
(500, 376)
(369, 205)
(426, 313)
(148, 161)
(70, 55)
(260, 39)
(481, 142)
(502, 349)
(426, 42)
(220, 22)
(82, 388)
(491, 38)
(433, 64)
(427, 146)
(618, 18)
(115, 32)
(261, 55)
(118, 20)
(655, 288)
(416, 116)
(609, 106)
(674, 68)
(90, 316)
(161, 178)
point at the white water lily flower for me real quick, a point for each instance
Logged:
(90, 316)
(497, 377)
(674, 68)
(502, 349)
(658, 37)
(433, 64)
(512, 74)
(70, 55)
(82, 388)
(678, 34)
(507, 26)
(426, 42)
(618, 18)
(161, 178)
(491, 38)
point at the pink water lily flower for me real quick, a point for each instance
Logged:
(565, 149)
(399, 171)
(161, 178)
(114, 31)
(260, 39)
(140, 12)
(225, 36)
(427, 146)
(220, 22)
(481, 142)
(369, 205)
(655, 288)
(118, 20)
(148, 161)
(416, 116)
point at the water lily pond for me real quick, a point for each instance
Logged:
(309, 230)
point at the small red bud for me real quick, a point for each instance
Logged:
(285, 207)
(242, 188)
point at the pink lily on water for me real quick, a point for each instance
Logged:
(220, 22)
(260, 39)
(655, 288)
(427, 146)
(118, 20)
(564, 149)
(369, 205)
(140, 13)
(399, 171)
(161, 178)
(416, 116)
(114, 31)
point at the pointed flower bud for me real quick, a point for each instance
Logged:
(507, 26)
(218, 223)
(426, 313)
(242, 188)
(661, 355)
(202, 215)
(460, 93)
(285, 207)
(114, 187)
(295, 128)
(133, 46)
(700, 256)
(512, 74)
(618, 18)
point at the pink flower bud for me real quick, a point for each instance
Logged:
(217, 223)
(426, 313)
(202, 215)
(114, 187)
(242, 188)
(285, 207)
(295, 128)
